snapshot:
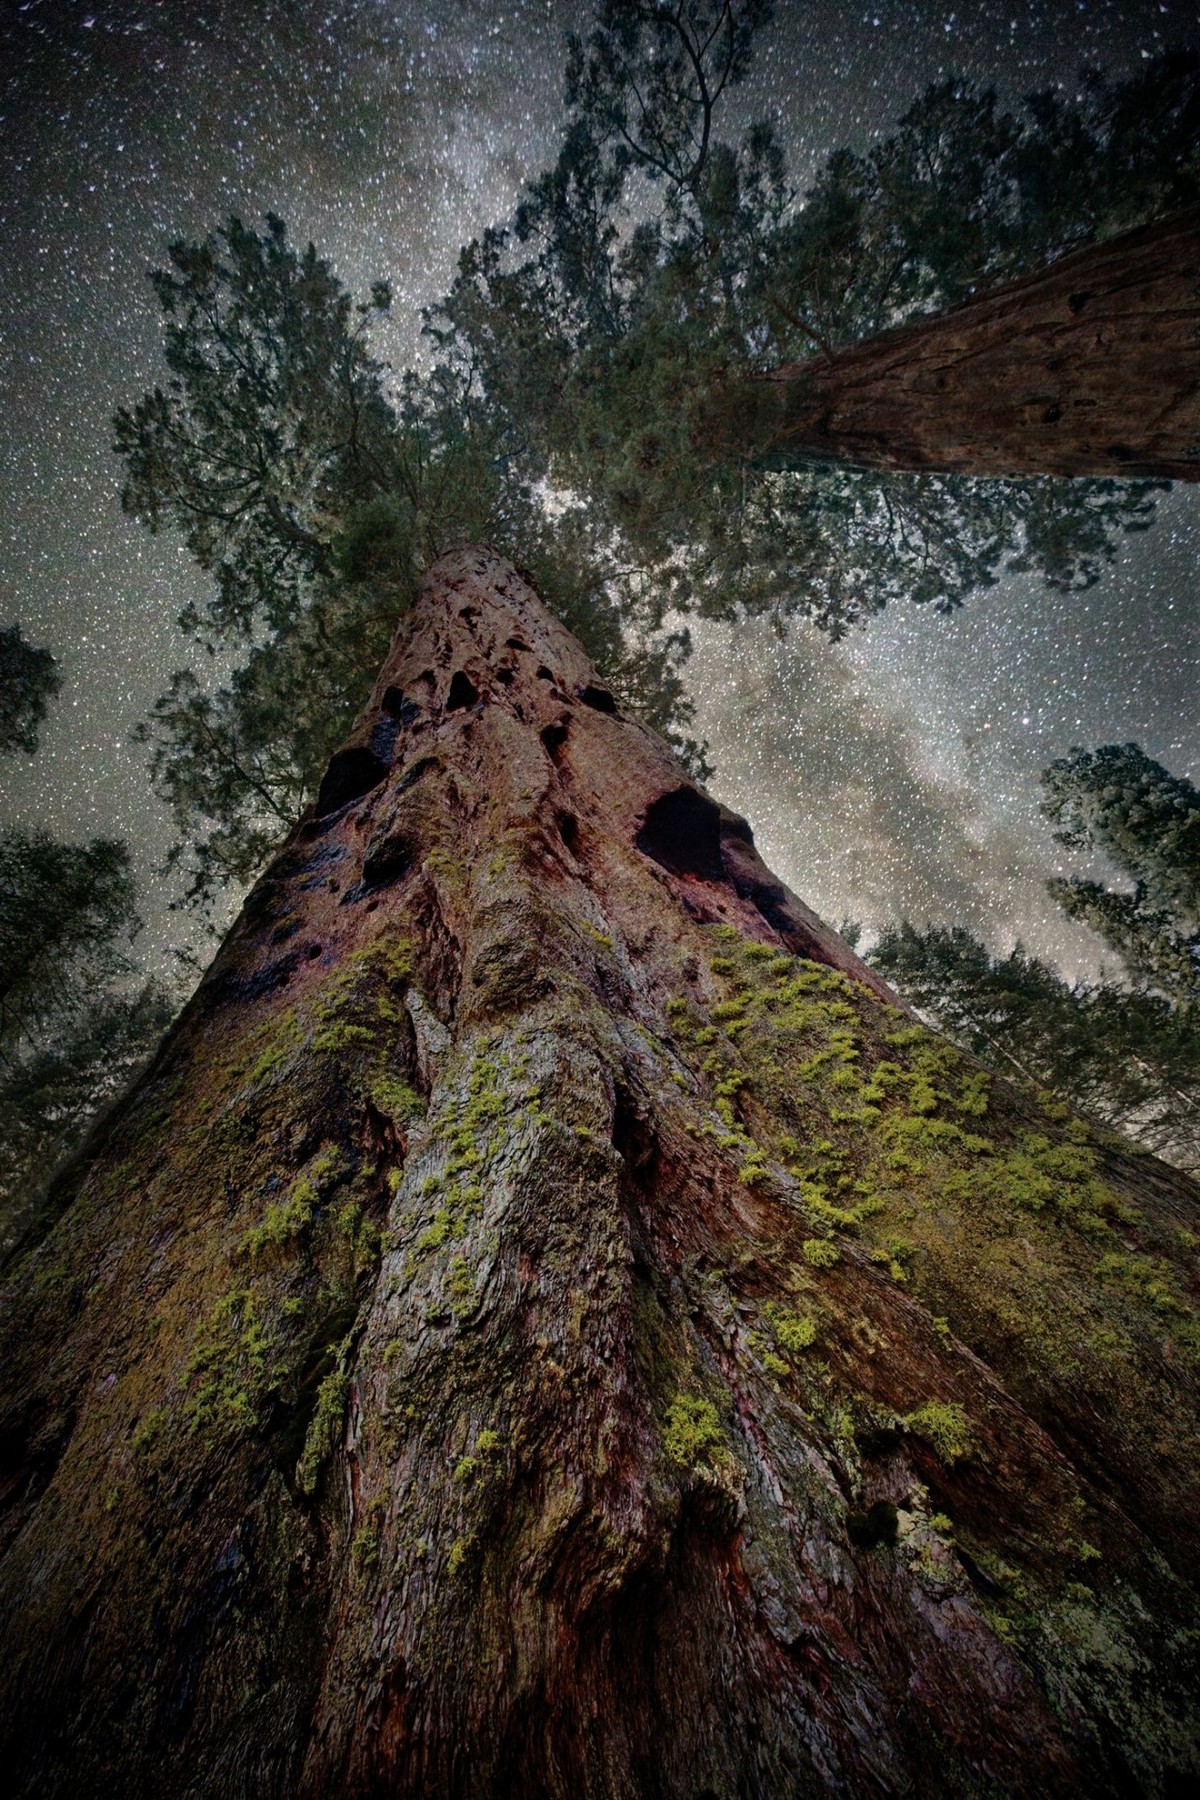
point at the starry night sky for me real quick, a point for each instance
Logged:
(895, 774)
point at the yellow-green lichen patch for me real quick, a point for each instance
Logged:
(1004, 1225)
(945, 1426)
(285, 1221)
(692, 1432)
(820, 1253)
(396, 1099)
(367, 1543)
(228, 1373)
(469, 1132)
(481, 1461)
(793, 1331)
(325, 1424)
(459, 1288)
(783, 1334)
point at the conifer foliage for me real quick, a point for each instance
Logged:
(586, 405)
(667, 257)
(1125, 1048)
(1146, 822)
(29, 678)
(75, 1018)
(315, 497)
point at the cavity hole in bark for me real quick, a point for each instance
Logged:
(682, 833)
(313, 951)
(1078, 301)
(772, 903)
(597, 697)
(877, 1441)
(288, 1425)
(515, 643)
(392, 859)
(632, 1136)
(350, 775)
(734, 826)
(878, 1525)
(398, 706)
(267, 980)
(568, 829)
(383, 738)
(463, 692)
(1052, 415)
(543, 673)
(505, 677)
(412, 775)
(553, 739)
(31, 1448)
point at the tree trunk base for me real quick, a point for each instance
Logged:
(549, 1323)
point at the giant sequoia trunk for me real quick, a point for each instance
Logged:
(550, 1324)
(1091, 366)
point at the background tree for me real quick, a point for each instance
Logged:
(1124, 1056)
(1146, 823)
(76, 1018)
(29, 678)
(1124, 1048)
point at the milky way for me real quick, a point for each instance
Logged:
(895, 774)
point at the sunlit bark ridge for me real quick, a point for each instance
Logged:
(1091, 366)
(549, 1323)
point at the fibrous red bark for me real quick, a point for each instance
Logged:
(1090, 366)
(548, 1323)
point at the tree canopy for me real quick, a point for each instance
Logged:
(315, 499)
(658, 265)
(584, 405)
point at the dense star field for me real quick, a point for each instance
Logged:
(893, 774)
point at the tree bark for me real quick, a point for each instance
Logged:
(549, 1323)
(1090, 367)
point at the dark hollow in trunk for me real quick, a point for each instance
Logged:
(560, 1328)
(1091, 366)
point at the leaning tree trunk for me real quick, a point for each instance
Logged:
(1091, 366)
(549, 1323)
